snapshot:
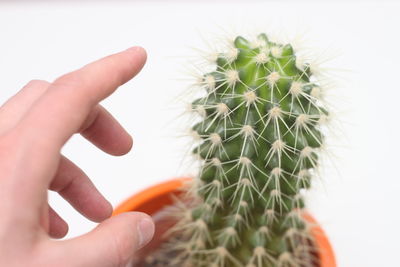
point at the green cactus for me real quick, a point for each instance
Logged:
(259, 142)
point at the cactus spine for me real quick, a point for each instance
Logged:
(260, 136)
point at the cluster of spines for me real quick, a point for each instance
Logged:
(259, 138)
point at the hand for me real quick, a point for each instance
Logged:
(34, 125)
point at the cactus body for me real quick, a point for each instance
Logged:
(259, 141)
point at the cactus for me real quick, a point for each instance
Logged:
(259, 139)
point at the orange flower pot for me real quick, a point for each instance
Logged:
(153, 199)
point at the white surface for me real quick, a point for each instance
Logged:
(357, 205)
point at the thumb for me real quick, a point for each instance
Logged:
(113, 242)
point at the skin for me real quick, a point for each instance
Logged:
(34, 126)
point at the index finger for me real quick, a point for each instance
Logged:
(60, 112)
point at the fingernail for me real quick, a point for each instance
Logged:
(145, 231)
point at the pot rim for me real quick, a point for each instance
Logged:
(150, 200)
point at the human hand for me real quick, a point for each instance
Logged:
(34, 125)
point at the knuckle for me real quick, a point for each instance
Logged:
(10, 147)
(8, 140)
(119, 257)
(77, 83)
(37, 83)
(71, 80)
(122, 249)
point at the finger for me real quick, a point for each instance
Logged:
(76, 187)
(113, 242)
(59, 113)
(62, 110)
(14, 109)
(58, 228)
(106, 133)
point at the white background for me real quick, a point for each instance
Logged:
(356, 202)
